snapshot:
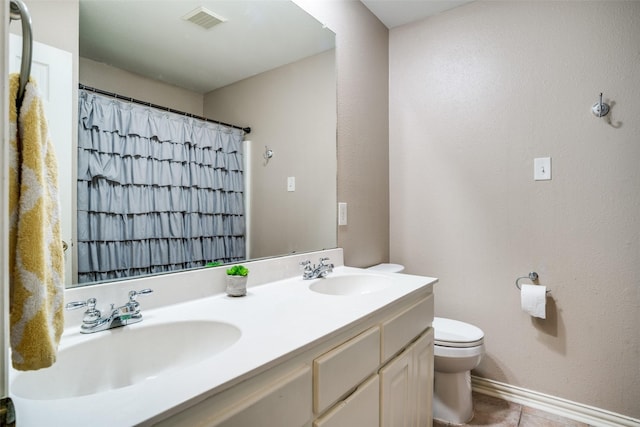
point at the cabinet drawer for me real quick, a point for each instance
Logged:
(404, 327)
(361, 409)
(343, 368)
(285, 402)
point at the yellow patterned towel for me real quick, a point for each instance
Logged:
(36, 259)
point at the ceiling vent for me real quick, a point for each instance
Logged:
(203, 17)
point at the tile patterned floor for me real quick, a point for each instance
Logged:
(491, 411)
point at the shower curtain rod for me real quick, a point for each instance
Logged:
(148, 104)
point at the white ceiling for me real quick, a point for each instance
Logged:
(394, 13)
(150, 38)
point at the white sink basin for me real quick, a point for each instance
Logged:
(351, 284)
(125, 356)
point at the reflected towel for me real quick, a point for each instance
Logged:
(36, 259)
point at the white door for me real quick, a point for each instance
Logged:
(52, 70)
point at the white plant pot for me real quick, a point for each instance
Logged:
(237, 286)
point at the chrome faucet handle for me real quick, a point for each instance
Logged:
(92, 315)
(75, 305)
(90, 304)
(134, 294)
(307, 272)
(322, 261)
(133, 305)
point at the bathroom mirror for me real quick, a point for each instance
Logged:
(273, 69)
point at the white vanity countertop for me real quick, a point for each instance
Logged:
(277, 320)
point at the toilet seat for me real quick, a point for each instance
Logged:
(454, 333)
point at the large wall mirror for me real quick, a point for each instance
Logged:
(268, 65)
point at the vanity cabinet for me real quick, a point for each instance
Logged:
(403, 385)
(376, 372)
(406, 386)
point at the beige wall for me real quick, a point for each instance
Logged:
(48, 17)
(111, 79)
(363, 127)
(476, 94)
(291, 109)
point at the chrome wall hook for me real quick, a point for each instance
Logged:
(268, 153)
(600, 109)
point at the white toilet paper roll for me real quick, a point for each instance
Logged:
(533, 299)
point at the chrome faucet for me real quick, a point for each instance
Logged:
(317, 271)
(93, 321)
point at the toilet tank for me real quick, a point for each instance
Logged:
(387, 268)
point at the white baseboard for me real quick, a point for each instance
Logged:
(554, 405)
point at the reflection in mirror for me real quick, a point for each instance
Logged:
(267, 65)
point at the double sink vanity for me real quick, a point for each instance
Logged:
(352, 349)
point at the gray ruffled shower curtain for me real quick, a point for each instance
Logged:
(157, 191)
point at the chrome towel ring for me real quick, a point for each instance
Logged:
(19, 11)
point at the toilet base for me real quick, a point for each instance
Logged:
(452, 401)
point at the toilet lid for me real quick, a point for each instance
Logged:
(453, 333)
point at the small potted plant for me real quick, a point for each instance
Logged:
(237, 280)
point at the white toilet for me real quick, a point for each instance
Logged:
(387, 268)
(458, 348)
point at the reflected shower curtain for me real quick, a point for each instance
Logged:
(157, 191)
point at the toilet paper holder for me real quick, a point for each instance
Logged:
(533, 276)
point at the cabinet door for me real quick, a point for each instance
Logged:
(360, 409)
(396, 404)
(406, 386)
(423, 375)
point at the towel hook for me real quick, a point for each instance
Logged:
(268, 154)
(600, 109)
(533, 276)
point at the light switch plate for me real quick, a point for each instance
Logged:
(542, 169)
(291, 183)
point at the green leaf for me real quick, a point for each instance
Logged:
(238, 270)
